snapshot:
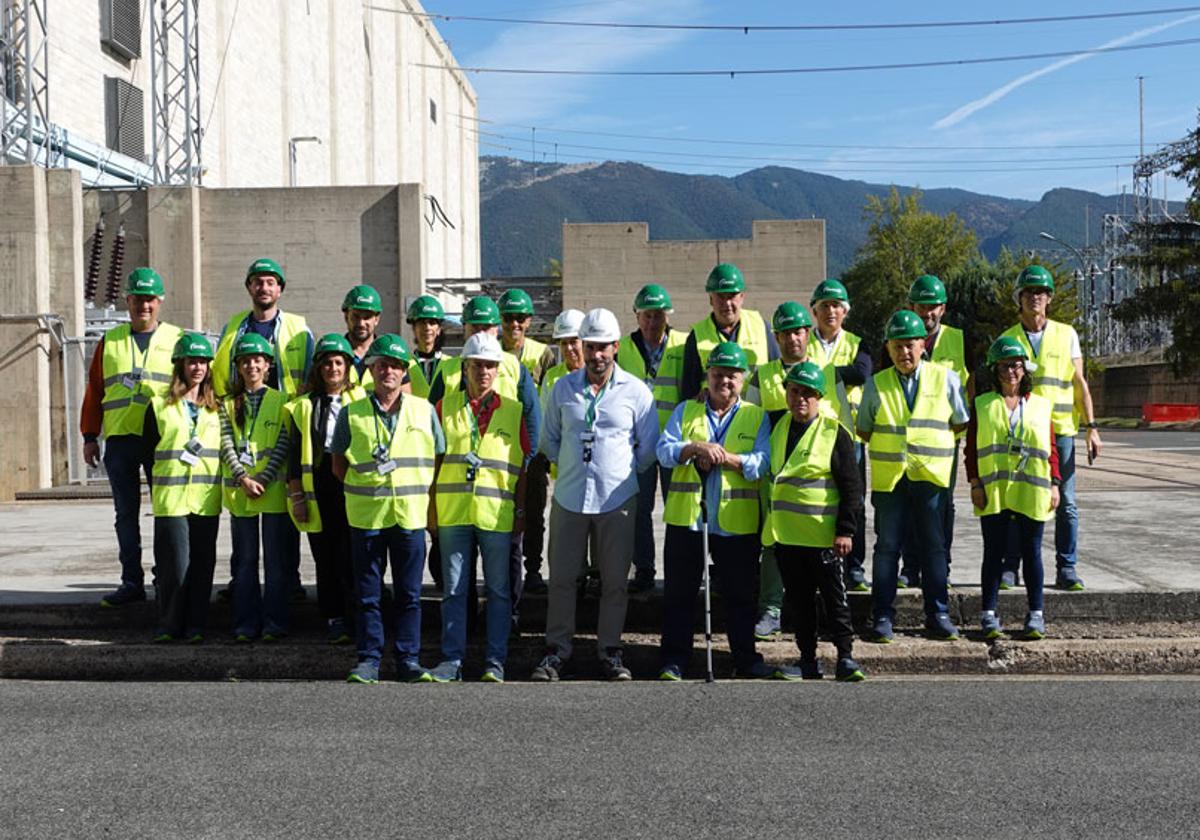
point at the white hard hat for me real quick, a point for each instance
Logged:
(483, 345)
(600, 326)
(566, 325)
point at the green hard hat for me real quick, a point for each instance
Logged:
(266, 265)
(728, 355)
(928, 290)
(253, 344)
(829, 289)
(1035, 277)
(1006, 347)
(192, 346)
(905, 324)
(790, 315)
(652, 296)
(481, 310)
(333, 343)
(362, 297)
(389, 346)
(516, 302)
(425, 308)
(808, 375)
(725, 279)
(144, 281)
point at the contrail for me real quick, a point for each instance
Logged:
(1004, 90)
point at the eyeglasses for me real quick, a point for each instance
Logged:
(1010, 365)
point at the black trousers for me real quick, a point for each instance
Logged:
(537, 480)
(185, 554)
(806, 571)
(331, 547)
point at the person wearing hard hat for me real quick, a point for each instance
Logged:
(516, 312)
(254, 449)
(288, 335)
(1054, 347)
(570, 348)
(362, 308)
(815, 496)
(384, 448)
(653, 353)
(131, 365)
(831, 346)
(600, 430)
(184, 428)
(1012, 465)
(728, 321)
(425, 316)
(908, 417)
(479, 501)
(717, 452)
(316, 501)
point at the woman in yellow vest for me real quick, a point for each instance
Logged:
(1012, 465)
(184, 429)
(816, 500)
(315, 499)
(717, 451)
(254, 447)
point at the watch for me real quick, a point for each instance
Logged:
(1091, 425)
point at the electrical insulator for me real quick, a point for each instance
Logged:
(93, 268)
(115, 264)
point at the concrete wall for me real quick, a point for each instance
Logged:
(606, 264)
(1119, 390)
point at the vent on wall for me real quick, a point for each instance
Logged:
(121, 27)
(124, 118)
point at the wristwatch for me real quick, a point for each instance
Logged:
(1091, 425)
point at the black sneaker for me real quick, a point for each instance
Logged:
(612, 668)
(124, 594)
(550, 669)
(535, 584)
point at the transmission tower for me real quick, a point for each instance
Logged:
(25, 130)
(175, 85)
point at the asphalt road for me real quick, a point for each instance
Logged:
(930, 759)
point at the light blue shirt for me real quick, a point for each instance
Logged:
(754, 463)
(626, 429)
(869, 406)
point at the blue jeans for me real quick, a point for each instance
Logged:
(999, 531)
(458, 544)
(124, 455)
(371, 550)
(918, 505)
(643, 529)
(264, 610)
(1066, 518)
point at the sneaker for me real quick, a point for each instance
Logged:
(788, 673)
(410, 671)
(767, 627)
(989, 622)
(364, 673)
(881, 631)
(447, 671)
(1068, 581)
(849, 671)
(535, 584)
(337, 634)
(670, 673)
(859, 585)
(810, 669)
(1035, 627)
(274, 636)
(1008, 580)
(124, 594)
(163, 638)
(642, 582)
(941, 628)
(195, 639)
(902, 581)
(550, 669)
(493, 672)
(757, 670)
(243, 638)
(612, 668)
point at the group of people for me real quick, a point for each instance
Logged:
(756, 435)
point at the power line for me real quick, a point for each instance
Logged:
(792, 71)
(746, 29)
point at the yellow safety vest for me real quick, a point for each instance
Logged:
(124, 406)
(376, 500)
(845, 350)
(804, 496)
(772, 392)
(1014, 480)
(1055, 377)
(180, 488)
(300, 410)
(950, 353)
(508, 378)
(738, 507)
(531, 355)
(291, 352)
(266, 426)
(664, 382)
(416, 376)
(488, 501)
(752, 337)
(919, 443)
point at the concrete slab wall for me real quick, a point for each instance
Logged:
(606, 264)
(1120, 390)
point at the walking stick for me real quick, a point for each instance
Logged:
(708, 643)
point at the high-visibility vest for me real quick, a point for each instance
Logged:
(752, 337)
(738, 508)
(949, 352)
(1055, 377)
(663, 382)
(487, 502)
(300, 410)
(124, 407)
(291, 352)
(179, 489)
(845, 350)
(417, 378)
(772, 392)
(804, 496)
(376, 500)
(267, 426)
(1014, 480)
(916, 443)
(531, 355)
(507, 383)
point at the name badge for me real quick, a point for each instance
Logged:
(587, 437)
(473, 464)
(246, 457)
(131, 380)
(385, 467)
(189, 458)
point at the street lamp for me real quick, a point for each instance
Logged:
(292, 155)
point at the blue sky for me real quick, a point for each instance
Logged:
(1038, 108)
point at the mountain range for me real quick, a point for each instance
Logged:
(523, 206)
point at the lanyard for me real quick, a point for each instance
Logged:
(654, 358)
(193, 411)
(253, 418)
(1016, 430)
(476, 435)
(133, 352)
(589, 416)
(379, 426)
(719, 432)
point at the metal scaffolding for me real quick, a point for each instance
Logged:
(175, 86)
(25, 129)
